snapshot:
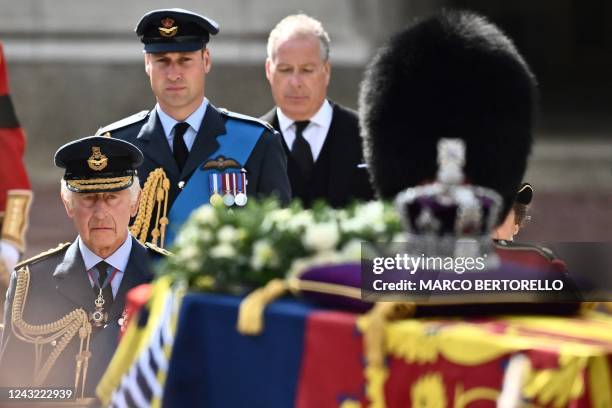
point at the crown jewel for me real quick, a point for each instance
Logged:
(449, 217)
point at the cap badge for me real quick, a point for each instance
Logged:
(97, 161)
(168, 28)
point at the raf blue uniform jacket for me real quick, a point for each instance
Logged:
(266, 167)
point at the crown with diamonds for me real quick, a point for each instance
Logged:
(449, 216)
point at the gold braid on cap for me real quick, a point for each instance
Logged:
(99, 183)
(16, 216)
(154, 195)
(61, 332)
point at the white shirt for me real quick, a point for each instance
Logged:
(117, 260)
(194, 120)
(316, 131)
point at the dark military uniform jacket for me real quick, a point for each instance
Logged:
(266, 167)
(58, 285)
(336, 176)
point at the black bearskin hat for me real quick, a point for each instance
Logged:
(454, 75)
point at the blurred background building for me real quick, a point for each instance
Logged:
(77, 65)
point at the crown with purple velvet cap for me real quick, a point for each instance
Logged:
(449, 217)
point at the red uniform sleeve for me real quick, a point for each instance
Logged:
(13, 174)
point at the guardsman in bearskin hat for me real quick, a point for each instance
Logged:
(15, 192)
(194, 152)
(453, 81)
(454, 76)
(65, 306)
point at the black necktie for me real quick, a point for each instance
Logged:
(300, 150)
(179, 148)
(107, 291)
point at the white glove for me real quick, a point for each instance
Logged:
(9, 255)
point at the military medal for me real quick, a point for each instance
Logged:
(213, 182)
(99, 317)
(241, 197)
(228, 197)
(123, 321)
(216, 199)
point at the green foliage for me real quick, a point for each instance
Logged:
(229, 250)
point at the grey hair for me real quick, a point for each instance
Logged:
(67, 195)
(297, 25)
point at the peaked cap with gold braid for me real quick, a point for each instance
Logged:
(98, 164)
(175, 30)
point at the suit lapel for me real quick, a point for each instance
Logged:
(72, 280)
(272, 118)
(205, 142)
(340, 167)
(136, 272)
(155, 145)
(299, 186)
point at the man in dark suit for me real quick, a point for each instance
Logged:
(206, 154)
(321, 138)
(65, 307)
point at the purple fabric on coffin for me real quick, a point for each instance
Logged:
(347, 275)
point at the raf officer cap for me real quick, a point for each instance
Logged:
(175, 30)
(98, 164)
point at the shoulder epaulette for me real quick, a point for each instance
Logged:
(158, 250)
(520, 246)
(137, 117)
(246, 118)
(42, 255)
